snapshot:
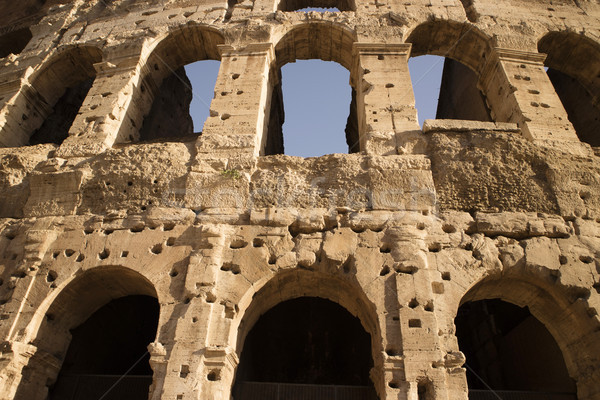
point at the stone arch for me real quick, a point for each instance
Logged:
(297, 283)
(561, 311)
(461, 42)
(164, 60)
(67, 308)
(573, 62)
(315, 40)
(465, 49)
(61, 82)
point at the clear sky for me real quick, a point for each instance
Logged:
(316, 97)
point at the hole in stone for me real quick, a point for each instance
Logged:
(213, 376)
(421, 226)
(380, 57)
(184, 371)
(55, 254)
(108, 231)
(51, 276)
(389, 85)
(385, 249)
(435, 247)
(173, 273)
(563, 260)
(157, 248)
(390, 351)
(69, 252)
(446, 276)
(429, 306)
(225, 116)
(393, 384)
(238, 243)
(235, 76)
(80, 258)
(124, 253)
(413, 303)
(586, 259)
(414, 323)
(171, 241)
(88, 231)
(257, 242)
(447, 228)
(137, 229)
(104, 254)
(168, 226)
(272, 259)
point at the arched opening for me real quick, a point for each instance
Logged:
(510, 352)
(331, 125)
(108, 353)
(91, 337)
(316, 5)
(446, 59)
(573, 63)
(45, 110)
(307, 346)
(14, 42)
(176, 77)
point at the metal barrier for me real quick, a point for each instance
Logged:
(518, 395)
(96, 387)
(293, 391)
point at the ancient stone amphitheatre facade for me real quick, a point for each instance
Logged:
(139, 259)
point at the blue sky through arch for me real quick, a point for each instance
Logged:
(316, 96)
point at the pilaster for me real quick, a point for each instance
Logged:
(236, 124)
(518, 90)
(384, 96)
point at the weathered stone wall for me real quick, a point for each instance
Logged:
(400, 234)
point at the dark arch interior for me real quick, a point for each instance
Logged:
(579, 105)
(55, 128)
(14, 42)
(510, 350)
(110, 343)
(305, 343)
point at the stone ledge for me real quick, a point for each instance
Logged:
(456, 125)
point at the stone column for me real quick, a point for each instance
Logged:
(239, 111)
(518, 90)
(107, 114)
(384, 96)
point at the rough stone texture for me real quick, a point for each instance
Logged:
(400, 234)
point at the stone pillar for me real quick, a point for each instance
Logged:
(419, 356)
(239, 111)
(107, 114)
(19, 101)
(518, 90)
(384, 96)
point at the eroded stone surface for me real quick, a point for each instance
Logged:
(400, 233)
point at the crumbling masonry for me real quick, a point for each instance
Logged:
(418, 266)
